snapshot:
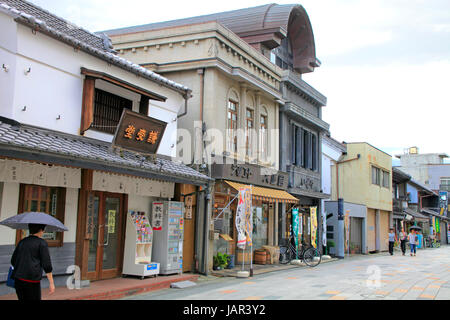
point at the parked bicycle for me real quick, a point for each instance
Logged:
(308, 254)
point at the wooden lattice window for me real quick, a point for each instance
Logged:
(49, 200)
(108, 109)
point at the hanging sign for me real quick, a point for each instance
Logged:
(188, 207)
(90, 217)
(139, 133)
(157, 215)
(314, 227)
(438, 228)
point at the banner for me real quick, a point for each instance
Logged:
(295, 226)
(244, 223)
(347, 231)
(314, 227)
(438, 229)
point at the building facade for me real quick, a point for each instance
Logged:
(363, 177)
(63, 91)
(243, 97)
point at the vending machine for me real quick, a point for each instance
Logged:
(168, 223)
(137, 259)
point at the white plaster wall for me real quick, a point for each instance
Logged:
(54, 86)
(9, 208)
(70, 218)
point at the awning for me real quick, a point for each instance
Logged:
(434, 213)
(266, 194)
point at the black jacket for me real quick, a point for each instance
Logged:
(30, 258)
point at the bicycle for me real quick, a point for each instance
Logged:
(308, 254)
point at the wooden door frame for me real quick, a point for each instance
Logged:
(82, 248)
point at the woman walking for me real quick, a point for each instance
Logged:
(392, 239)
(403, 236)
(412, 241)
(30, 257)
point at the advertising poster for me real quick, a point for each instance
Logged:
(295, 225)
(438, 228)
(314, 226)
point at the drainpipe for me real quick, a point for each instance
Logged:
(340, 232)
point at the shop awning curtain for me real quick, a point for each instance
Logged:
(266, 194)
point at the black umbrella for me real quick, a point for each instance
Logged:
(415, 228)
(21, 221)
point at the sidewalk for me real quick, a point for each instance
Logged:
(112, 289)
(260, 269)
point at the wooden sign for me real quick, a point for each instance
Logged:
(188, 205)
(139, 133)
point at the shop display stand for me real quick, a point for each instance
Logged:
(138, 247)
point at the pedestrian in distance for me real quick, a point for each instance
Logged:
(403, 237)
(29, 259)
(412, 241)
(392, 239)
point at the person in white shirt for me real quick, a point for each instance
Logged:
(412, 241)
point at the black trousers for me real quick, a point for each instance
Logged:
(391, 247)
(403, 246)
(27, 291)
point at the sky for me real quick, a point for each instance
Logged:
(385, 63)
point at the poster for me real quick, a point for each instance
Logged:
(157, 215)
(314, 227)
(111, 221)
(295, 225)
(438, 228)
(188, 207)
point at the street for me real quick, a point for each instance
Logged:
(365, 277)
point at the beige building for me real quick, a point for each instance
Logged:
(229, 62)
(363, 177)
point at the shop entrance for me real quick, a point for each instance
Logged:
(103, 254)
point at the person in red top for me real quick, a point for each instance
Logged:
(29, 259)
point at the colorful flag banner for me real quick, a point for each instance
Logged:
(244, 223)
(314, 227)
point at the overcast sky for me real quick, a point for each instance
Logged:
(385, 63)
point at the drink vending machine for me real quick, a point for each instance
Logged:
(137, 259)
(168, 229)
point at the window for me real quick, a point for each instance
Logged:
(232, 125)
(263, 136)
(445, 184)
(108, 109)
(386, 182)
(376, 179)
(43, 199)
(248, 132)
(304, 148)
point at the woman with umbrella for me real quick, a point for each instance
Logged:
(31, 255)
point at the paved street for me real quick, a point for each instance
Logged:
(372, 277)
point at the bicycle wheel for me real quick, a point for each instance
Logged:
(312, 257)
(285, 255)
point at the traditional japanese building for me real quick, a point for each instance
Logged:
(62, 93)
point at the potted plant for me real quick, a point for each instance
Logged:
(220, 261)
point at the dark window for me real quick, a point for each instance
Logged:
(314, 152)
(376, 179)
(108, 109)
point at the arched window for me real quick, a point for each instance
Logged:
(263, 134)
(232, 120)
(249, 125)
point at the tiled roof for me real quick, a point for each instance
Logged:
(59, 24)
(60, 29)
(52, 143)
